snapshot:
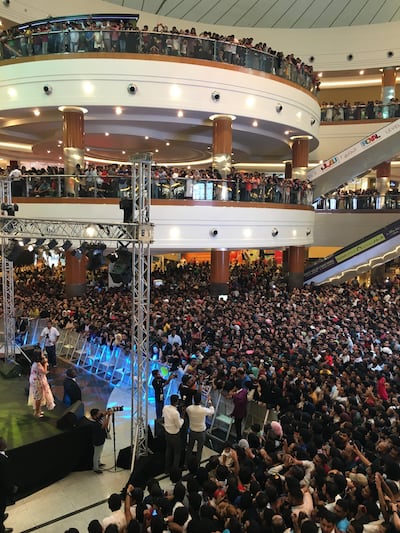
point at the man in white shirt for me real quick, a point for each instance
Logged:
(117, 515)
(50, 335)
(172, 425)
(173, 338)
(197, 425)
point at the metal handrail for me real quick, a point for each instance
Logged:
(72, 39)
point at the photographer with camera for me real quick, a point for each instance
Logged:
(50, 335)
(39, 389)
(100, 422)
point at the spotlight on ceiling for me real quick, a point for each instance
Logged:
(278, 108)
(39, 242)
(274, 232)
(215, 96)
(350, 57)
(47, 89)
(132, 89)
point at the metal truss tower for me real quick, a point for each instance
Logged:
(138, 234)
(7, 276)
(141, 270)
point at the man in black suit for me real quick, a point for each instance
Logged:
(72, 391)
(7, 489)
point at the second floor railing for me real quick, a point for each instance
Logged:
(72, 39)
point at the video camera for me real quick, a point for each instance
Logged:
(115, 409)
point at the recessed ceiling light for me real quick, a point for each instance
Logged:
(36, 112)
(156, 150)
(59, 157)
(146, 137)
(361, 72)
(49, 151)
(88, 149)
(180, 113)
(118, 110)
(167, 144)
(255, 123)
(320, 75)
(123, 152)
(106, 134)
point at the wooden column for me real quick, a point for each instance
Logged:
(222, 151)
(75, 274)
(73, 144)
(296, 267)
(219, 276)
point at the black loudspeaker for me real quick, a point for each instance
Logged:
(71, 416)
(10, 370)
(124, 459)
(29, 349)
(146, 467)
(120, 272)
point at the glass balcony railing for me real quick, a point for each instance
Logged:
(269, 189)
(370, 111)
(356, 201)
(71, 38)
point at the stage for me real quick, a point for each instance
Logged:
(40, 452)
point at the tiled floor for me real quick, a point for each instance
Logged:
(82, 496)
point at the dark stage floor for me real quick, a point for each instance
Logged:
(17, 423)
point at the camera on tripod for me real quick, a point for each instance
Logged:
(115, 409)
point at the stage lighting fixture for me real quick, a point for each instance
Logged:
(39, 242)
(24, 241)
(12, 251)
(66, 246)
(52, 244)
(10, 209)
(121, 270)
(77, 253)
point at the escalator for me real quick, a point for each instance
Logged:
(355, 161)
(358, 257)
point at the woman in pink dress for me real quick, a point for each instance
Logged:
(39, 390)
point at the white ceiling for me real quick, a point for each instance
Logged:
(272, 13)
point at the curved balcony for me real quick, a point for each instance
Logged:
(68, 38)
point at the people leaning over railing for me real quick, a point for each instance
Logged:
(359, 199)
(93, 34)
(113, 181)
(331, 112)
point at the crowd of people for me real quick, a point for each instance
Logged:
(325, 359)
(95, 34)
(333, 112)
(113, 181)
(369, 198)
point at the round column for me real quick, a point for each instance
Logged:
(73, 144)
(300, 151)
(75, 274)
(296, 267)
(288, 170)
(222, 151)
(219, 276)
(383, 172)
(388, 90)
